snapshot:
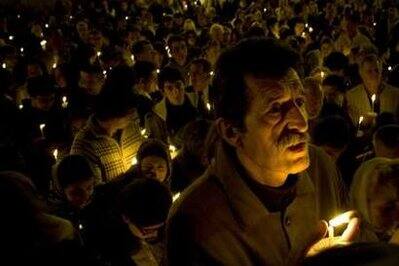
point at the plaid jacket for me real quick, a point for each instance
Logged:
(109, 158)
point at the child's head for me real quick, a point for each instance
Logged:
(144, 205)
(76, 180)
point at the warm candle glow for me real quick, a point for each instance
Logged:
(43, 44)
(20, 107)
(373, 98)
(340, 219)
(64, 102)
(55, 154)
(134, 161)
(208, 106)
(4, 65)
(361, 118)
(176, 196)
(99, 54)
(11, 37)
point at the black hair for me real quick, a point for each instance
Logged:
(145, 202)
(153, 147)
(175, 38)
(139, 46)
(336, 61)
(117, 97)
(143, 70)
(206, 66)
(335, 81)
(261, 57)
(194, 136)
(388, 135)
(72, 169)
(6, 81)
(40, 86)
(321, 134)
(170, 74)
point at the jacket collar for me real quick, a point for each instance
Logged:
(161, 110)
(246, 207)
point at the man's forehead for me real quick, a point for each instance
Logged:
(274, 86)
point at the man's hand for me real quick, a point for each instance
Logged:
(322, 243)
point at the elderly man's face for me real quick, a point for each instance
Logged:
(275, 138)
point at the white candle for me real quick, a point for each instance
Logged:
(208, 106)
(99, 53)
(330, 231)
(4, 65)
(20, 107)
(134, 161)
(11, 37)
(54, 65)
(322, 74)
(43, 44)
(389, 68)
(46, 26)
(373, 98)
(176, 196)
(55, 154)
(126, 18)
(22, 49)
(212, 73)
(310, 29)
(64, 102)
(42, 126)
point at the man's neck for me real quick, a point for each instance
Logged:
(261, 175)
(107, 127)
(371, 88)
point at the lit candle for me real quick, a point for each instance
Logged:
(375, 24)
(208, 106)
(64, 102)
(43, 44)
(211, 73)
(337, 221)
(143, 133)
(389, 68)
(132, 58)
(359, 133)
(134, 160)
(176, 196)
(22, 49)
(20, 107)
(4, 65)
(306, 25)
(158, 71)
(71, 17)
(168, 51)
(55, 154)
(46, 26)
(42, 126)
(105, 73)
(265, 10)
(18, 16)
(310, 29)
(80, 226)
(54, 65)
(303, 35)
(126, 18)
(322, 74)
(99, 53)
(373, 98)
(11, 37)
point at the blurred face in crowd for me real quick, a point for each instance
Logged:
(83, 30)
(371, 73)
(96, 39)
(154, 167)
(174, 92)
(34, 70)
(178, 51)
(43, 102)
(191, 39)
(147, 54)
(384, 205)
(275, 137)
(151, 84)
(79, 194)
(91, 82)
(199, 78)
(314, 98)
(333, 95)
(383, 151)
(299, 29)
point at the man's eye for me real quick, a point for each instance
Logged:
(300, 102)
(276, 107)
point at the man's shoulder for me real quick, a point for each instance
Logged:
(355, 90)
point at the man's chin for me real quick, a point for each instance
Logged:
(300, 161)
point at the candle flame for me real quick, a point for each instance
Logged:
(20, 107)
(361, 118)
(373, 98)
(55, 154)
(99, 54)
(208, 106)
(134, 160)
(322, 74)
(11, 37)
(4, 65)
(340, 219)
(54, 65)
(42, 126)
(176, 196)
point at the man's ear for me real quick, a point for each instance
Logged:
(232, 135)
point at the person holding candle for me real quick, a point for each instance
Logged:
(112, 136)
(373, 96)
(257, 197)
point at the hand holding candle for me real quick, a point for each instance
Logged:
(351, 231)
(373, 98)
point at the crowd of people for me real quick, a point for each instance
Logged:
(174, 132)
